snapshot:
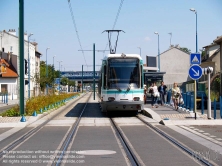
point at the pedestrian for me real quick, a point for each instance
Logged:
(154, 95)
(150, 90)
(145, 91)
(176, 95)
(162, 90)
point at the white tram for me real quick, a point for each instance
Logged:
(121, 83)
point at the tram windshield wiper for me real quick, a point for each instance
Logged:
(118, 88)
(129, 87)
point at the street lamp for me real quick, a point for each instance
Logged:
(53, 73)
(193, 10)
(29, 66)
(59, 75)
(170, 37)
(46, 71)
(195, 82)
(158, 51)
(140, 50)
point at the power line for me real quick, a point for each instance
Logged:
(117, 16)
(74, 23)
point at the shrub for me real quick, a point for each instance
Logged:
(36, 103)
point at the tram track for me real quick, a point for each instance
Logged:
(177, 143)
(67, 141)
(31, 132)
(129, 152)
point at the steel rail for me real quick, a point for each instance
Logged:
(131, 156)
(30, 132)
(175, 142)
(58, 161)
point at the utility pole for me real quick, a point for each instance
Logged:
(59, 75)
(21, 59)
(29, 67)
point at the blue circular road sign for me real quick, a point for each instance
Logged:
(195, 72)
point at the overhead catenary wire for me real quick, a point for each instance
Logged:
(117, 16)
(75, 26)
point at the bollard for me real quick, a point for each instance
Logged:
(221, 107)
(40, 111)
(6, 98)
(34, 113)
(23, 119)
(215, 109)
(188, 101)
(191, 102)
(202, 104)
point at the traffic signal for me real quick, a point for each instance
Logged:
(26, 66)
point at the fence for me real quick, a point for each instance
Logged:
(188, 103)
(4, 98)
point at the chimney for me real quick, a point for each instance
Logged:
(12, 32)
(36, 45)
(25, 36)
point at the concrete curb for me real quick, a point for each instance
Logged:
(152, 114)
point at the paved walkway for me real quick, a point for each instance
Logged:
(169, 116)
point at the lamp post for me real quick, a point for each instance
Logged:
(170, 37)
(158, 51)
(193, 10)
(59, 75)
(46, 71)
(140, 50)
(53, 73)
(195, 82)
(29, 67)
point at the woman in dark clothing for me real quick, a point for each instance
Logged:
(162, 89)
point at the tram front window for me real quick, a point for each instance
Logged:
(123, 74)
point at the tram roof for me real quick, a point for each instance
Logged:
(119, 55)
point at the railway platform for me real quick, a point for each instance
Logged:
(167, 115)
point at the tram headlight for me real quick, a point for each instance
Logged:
(111, 98)
(136, 99)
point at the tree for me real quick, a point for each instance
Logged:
(203, 52)
(64, 81)
(72, 83)
(43, 80)
(188, 51)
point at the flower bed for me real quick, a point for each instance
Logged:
(40, 104)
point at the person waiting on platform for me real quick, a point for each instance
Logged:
(154, 94)
(145, 91)
(162, 90)
(176, 95)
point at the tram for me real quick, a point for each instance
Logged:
(121, 83)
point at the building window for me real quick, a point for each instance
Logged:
(4, 88)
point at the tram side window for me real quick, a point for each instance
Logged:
(141, 80)
(104, 81)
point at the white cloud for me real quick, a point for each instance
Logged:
(147, 38)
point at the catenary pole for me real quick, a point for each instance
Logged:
(21, 59)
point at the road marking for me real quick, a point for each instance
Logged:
(206, 133)
(200, 138)
(9, 132)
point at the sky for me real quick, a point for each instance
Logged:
(51, 23)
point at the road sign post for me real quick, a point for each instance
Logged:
(195, 72)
